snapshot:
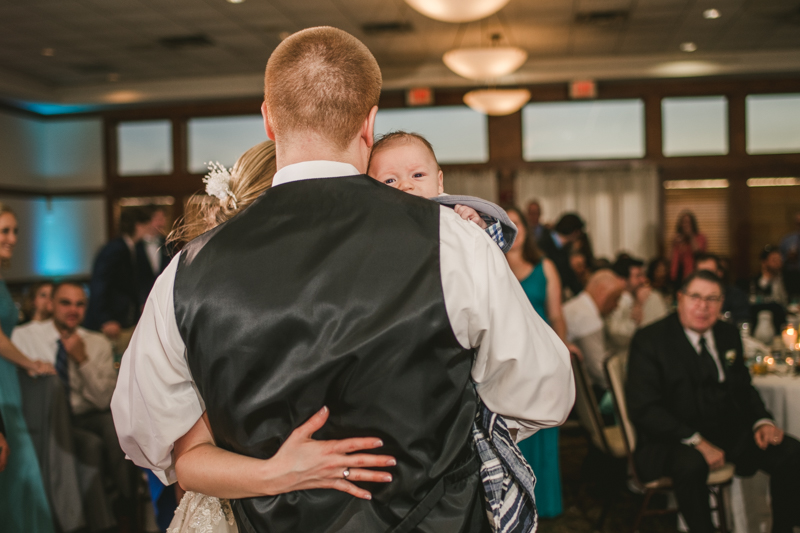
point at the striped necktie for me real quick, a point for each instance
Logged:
(62, 366)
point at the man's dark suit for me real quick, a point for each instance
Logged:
(669, 399)
(146, 275)
(560, 257)
(114, 287)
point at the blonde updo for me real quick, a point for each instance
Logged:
(250, 177)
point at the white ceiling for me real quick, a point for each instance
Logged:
(92, 39)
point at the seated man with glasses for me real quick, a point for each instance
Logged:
(690, 398)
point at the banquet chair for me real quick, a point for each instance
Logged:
(717, 480)
(607, 439)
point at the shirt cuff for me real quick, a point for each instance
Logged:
(693, 438)
(763, 422)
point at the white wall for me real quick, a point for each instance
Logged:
(58, 236)
(54, 154)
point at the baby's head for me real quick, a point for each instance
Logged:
(406, 161)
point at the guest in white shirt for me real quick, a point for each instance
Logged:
(638, 306)
(85, 364)
(584, 316)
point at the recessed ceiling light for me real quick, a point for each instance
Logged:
(688, 47)
(235, 1)
(48, 52)
(711, 14)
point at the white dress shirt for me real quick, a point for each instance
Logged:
(620, 323)
(585, 328)
(92, 382)
(522, 369)
(152, 247)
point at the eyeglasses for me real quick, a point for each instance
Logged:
(696, 299)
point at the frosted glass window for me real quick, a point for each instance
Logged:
(773, 124)
(222, 139)
(458, 134)
(144, 148)
(608, 129)
(695, 126)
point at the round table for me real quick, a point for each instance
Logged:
(781, 395)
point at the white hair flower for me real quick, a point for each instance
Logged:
(218, 182)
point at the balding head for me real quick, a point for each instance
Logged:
(321, 81)
(605, 288)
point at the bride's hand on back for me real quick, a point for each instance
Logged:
(304, 463)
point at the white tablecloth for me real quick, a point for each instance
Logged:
(781, 395)
(751, 511)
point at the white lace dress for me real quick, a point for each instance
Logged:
(199, 513)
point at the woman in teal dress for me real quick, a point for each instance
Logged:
(23, 503)
(539, 279)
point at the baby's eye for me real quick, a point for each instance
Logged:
(389, 181)
(419, 175)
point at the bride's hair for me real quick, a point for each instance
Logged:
(250, 177)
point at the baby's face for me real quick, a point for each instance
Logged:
(408, 166)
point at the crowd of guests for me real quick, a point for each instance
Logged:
(674, 321)
(59, 452)
(66, 457)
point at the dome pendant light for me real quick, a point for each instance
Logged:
(485, 63)
(497, 102)
(457, 10)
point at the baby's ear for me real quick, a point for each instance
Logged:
(441, 181)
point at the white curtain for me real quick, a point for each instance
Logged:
(620, 205)
(480, 183)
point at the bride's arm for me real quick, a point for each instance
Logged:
(301, 463)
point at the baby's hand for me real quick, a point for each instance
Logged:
(470, 215)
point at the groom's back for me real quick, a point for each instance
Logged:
(328, 292)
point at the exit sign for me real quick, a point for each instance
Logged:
(419, 96)
(583, 89)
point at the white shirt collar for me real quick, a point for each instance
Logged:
(309, 170)
(694, 339)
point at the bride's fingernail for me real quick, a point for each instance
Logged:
(368, 497)
(391, 462)
(324, 409)
(387, 478)
(378, 443)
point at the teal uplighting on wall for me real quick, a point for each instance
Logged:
(66, 233)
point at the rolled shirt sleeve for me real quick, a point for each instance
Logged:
(155, 402)
(522, 369)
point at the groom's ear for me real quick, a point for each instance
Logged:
(368, 128)
(267, 128)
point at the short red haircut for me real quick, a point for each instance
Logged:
(321, 80)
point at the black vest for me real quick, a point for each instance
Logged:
(329, 292)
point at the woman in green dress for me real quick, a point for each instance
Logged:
(23, 503)
(539, 279)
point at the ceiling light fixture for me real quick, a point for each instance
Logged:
(711, 14)
(457, 10)
(485, 63)
(48, 52)
(688, 47)
(497, 102)
(235, 1)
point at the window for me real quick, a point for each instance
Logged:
(222, 140)
(144, 148)
(695, 126)
(773, 123)
(458, 134)
(610, 129)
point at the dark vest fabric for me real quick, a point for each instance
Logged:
(329, 292)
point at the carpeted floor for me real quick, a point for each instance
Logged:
(591, 479)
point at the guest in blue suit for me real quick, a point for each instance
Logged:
(114, 301)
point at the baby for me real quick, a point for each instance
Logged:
(406, 161)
